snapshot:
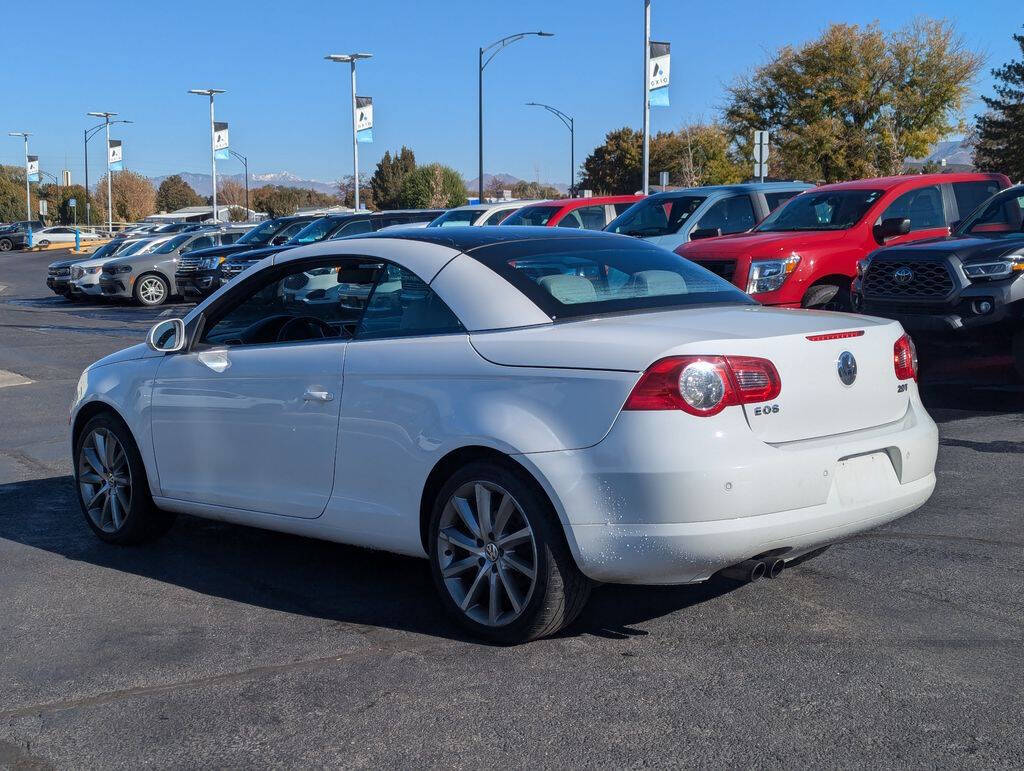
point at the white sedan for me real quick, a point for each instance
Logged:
(61, 234)
(531, 410)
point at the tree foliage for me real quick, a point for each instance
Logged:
(58, 200)
(697, 154)
(387, 179)
(855, 102)
(1000, 144)
(280, 201)
(230, 193)
(347, 191)
(530, 190)
(133, 196)
(432, 187)
(175, 193)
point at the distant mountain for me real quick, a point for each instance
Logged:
(957, 153)
(507, 180)
(203, 183)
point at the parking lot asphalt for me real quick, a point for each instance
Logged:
(222, 645)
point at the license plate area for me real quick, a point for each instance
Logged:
(864, 478)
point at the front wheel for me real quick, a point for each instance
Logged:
(499, 558)
(828, 297)
(6, 244)
(151, 290)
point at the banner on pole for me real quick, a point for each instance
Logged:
(32, 168)
(220, 141)
(115, 157)
(364, 118)
(658, 74)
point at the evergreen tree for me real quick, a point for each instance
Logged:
(175, 193)
(387, 180)
(1000, 145)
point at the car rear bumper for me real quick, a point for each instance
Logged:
(657, 505)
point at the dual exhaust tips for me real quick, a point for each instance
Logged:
(754, 569)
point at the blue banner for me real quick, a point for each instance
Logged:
(366, 135)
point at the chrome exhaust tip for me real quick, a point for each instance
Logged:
(748, 570)
(773, 566)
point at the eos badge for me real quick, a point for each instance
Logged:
(846, 366)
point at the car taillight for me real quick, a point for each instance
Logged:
(704, 385)
(904, 358)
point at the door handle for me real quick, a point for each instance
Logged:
(218, 361)
(317, 396)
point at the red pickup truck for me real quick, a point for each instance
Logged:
(805, 253)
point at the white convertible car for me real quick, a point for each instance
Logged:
(532, 410)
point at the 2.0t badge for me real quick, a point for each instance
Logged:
(847, 368)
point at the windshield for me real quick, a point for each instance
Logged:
(457, 217)
(532, 215)
(131, 249)
(316, 230)
(568, 278)
(172, 244)
(656, 216)
(825, 210)
(1001, 216)
(108, 248)
(263, 232)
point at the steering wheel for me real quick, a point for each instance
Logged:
(314, 327)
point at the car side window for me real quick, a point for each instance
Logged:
(198, 243)
(970, 195)
(621, 207)
(354, 227)
(592, 217)
(301, 302)
(922, 206)
(496, 216)
(402, 305)
(776, 199)
(730, 215)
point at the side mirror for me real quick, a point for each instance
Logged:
(278, 240)
(699, 233)
(167, 336)
(894, 226)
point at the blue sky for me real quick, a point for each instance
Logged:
(289, 109)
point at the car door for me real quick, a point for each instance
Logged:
(248, 416)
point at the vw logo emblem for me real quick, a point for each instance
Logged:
(846, 366)
(903, 275)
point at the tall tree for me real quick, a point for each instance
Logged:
(433, 187)
(230, 193)
(12, 194)
(528, 190)
(1000, 144)
(615, 166)
(856, 101)
(389, 175)
(175, 193)
(133, 195)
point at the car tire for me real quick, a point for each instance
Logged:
(44, 242)
(6, 244)
(828, 297)
(151, 290)
(112, 486)
(515, 582)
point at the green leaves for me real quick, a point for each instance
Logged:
(1000, 141)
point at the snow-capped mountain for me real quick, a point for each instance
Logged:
(203, 183)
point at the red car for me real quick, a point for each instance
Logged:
(805, 253)
(589, 213)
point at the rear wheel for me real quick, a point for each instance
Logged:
(151, 289)
(112, 487)
(499, 558)
(44, 242)
(828, 297)
(6, 244)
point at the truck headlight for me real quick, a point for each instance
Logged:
(995, 269)
(769, 275)
(209, 263)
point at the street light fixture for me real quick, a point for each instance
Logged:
(352, 59)
(87, 135)
(110, 196)
(498, 44)
(211, 92)
(28, 197)
(568, 121)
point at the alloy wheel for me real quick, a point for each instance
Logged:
(487, 553)
(105, 480)
(152, 290)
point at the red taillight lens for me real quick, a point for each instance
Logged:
(704, 385)
(904, 358)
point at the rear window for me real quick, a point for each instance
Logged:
(532, 215)
(821, 210)
(575, 277)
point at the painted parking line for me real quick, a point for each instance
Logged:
(12, 379)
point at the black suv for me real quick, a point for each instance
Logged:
(966, 287)
(15, 234)
(329, 227)
(198, 272)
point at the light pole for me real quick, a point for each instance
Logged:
(498, 44)
(28, 196)
(245, 163)
(110, 196)
(568, 121)
(352, 59)
(647, 95)
(211, 92)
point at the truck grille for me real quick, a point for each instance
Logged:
(231, 269)
(188, 264)
(907, 278)
(60, 272)
(724, 268)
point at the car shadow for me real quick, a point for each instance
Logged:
(298, 575)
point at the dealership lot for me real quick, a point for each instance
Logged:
(236, 646)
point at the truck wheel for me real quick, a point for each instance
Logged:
(151, 290)
(5, 244)
(1017, 346)
(828, 297)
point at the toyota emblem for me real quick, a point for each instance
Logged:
(903, 275)
(846, 366)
